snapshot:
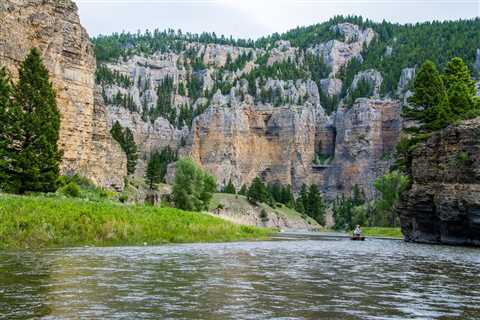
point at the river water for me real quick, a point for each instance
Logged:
(303, 279)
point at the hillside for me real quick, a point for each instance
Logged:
(238, 209)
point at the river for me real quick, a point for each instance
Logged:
(303, 279)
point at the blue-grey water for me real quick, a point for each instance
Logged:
(305, 279)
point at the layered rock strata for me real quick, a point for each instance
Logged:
(53, 27)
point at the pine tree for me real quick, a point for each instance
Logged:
(429, 93)
(461, 88)
(456, 71)
(302, 200)
(131, 150)
(258, 191)
(32, 132)
(7, 124)
(243, 190)
(429, 104)
(230, 188)
(316, 207)
(153, 174)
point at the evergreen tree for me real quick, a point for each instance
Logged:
(456, 71)
(258, 192)
(7, 124)
(429, 104)
(158, 165)
(302, 201)
(230, 188)
(243, 190)
(30, 136)
(316, 207)
(131, 150)
(127, 142)
(461, 88)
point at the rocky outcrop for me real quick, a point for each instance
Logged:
(331, 86)
(54, 28)
(149, 137)
(366, 135)
(244, 142)
(370, 76)
(338, 53)
(443, 204)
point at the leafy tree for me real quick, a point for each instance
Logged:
(158, 165)
(192, 188)
(29, 136)
(230, 188)
(390, 187)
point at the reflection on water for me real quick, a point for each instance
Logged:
(376, 279)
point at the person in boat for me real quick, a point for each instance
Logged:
(357, 232)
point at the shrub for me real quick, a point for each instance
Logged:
(71, 190)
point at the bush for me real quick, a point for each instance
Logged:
(192, 188)
(71, 190)
(264, 216)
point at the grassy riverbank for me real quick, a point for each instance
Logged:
(42, 221)
(382, 232)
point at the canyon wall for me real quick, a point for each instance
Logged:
(53, 27)
(443, 204)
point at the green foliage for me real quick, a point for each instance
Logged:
(124, 45)
(124, 100)
(126, 140)
(364, 89)
(38, 222)
(71, 190)
(264, 216)
(430, 95)
(165, 108)
(258, 192)
(105, 76)
(243, 190)
(192, 188)
(29, 131)
(230, 188)
(347, 210)
(390, 187)
(382, 232)
(158, 165)
(310, 202)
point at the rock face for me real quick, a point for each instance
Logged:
(372, 77)
(366, 136)
(280, 144)
(54, 28)
(443, 205)
(244, 142)
(338, 53)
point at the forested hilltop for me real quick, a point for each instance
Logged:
(393, 48)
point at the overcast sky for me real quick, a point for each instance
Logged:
(255, 18)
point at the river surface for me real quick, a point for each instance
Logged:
(303, 279)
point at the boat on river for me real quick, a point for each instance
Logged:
(357, 238)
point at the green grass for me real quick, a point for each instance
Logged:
(43, 221)
(382, 232)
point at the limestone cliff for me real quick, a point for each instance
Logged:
(443, 204)
(54, 28)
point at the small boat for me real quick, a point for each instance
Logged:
(357, 238)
